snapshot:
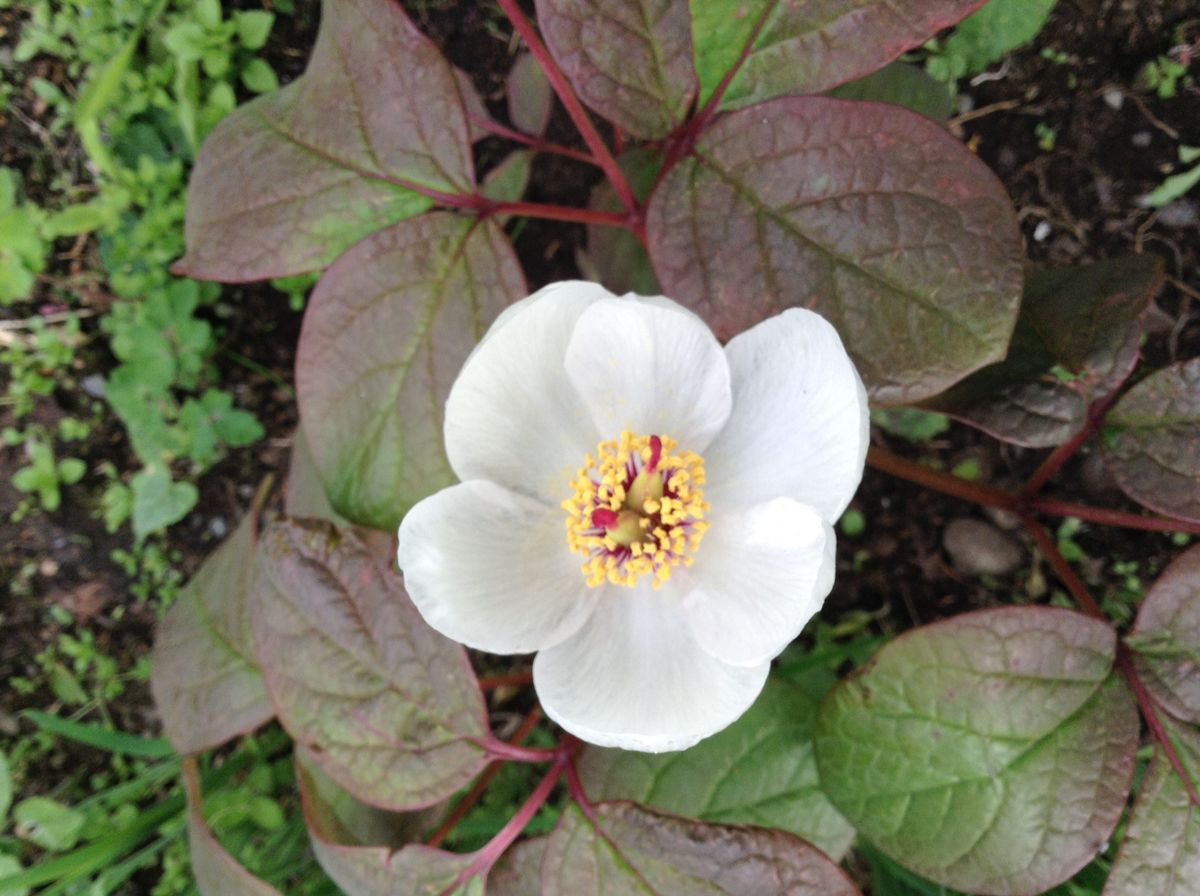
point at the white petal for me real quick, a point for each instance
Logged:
(490, 568)
(799, 426)
(652, 367)
(758, 578)
(633, 677)
(513, 416)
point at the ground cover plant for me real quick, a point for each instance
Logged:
(991, 752)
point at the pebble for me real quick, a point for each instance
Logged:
(1141, 139)
(1179, 214)
(1042, 231)
(1114, 98)
(979, 548)
(218, 527)
(94, 385)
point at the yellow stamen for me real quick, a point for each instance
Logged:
(637, 509)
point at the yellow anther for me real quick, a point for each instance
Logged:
(637, 510)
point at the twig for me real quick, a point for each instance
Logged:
(574, 108)
(467, 803)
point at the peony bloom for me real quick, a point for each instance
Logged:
(647, 510)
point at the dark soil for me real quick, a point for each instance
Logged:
(1114, 142)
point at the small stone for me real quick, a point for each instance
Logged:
(94, 385)
(218, 527)
(978, 548)
(1179, 214)
(1141, 139)
(1042, 231)
(48, 568)
(1115, 98)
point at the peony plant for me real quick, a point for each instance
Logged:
(641, 490)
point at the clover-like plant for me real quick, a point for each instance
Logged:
(992, 752)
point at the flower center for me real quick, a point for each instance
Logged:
(638, 509)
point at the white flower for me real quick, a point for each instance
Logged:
(649, 512)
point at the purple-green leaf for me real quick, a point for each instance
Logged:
(530, 96)
(385, 333)
(760, 770)
(291, 179)
(367, 852)
(992, 752)
(628, 850)
(614, 256)
(1076, 340)
(1166, 638)
(304, 492)
(1160, 855)
(203, 672)
(630, 60)
(869, 214)
(1152, 441)
(386, 706)
(807, 47)
(519, 871)
(217, 873)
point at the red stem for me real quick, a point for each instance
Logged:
(481, 783)
(537, 143)
(574, 108)
(488, 856)
(575, 787)
(516, 679)
(556, 213)
(1064, 452)
(1149, 710)
(1107, 517)
(498, 749)
(946, 483)
(1063, 569)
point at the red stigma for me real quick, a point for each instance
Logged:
(603, 518)
(655, 454)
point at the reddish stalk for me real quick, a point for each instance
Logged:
(575, 787)
(1063, 569)
(515, 679)
(1146, 704)
(1064, 452)
(1145, 701)
(946, 483)
(1107, 517)
(537, 143)
(498, 749)
(574, 108)
(488, 856)
(472, 796)
(555, 213)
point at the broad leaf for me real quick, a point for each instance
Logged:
(366, 852)
(290, 180)
(217, 873)
(203, 672)
(530, 96)
(627, 850)
(385, 333)
(760, 770)
(519, 871)
(902, 84)
(304, 492)
(630, 60)
(807, 47)
(870, 214)
(986, 36)
(1076, 340)
(615, 257)
(1152, 441)
(992, 752)
(1166, 638)
(1160, 855)
(387, 707)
